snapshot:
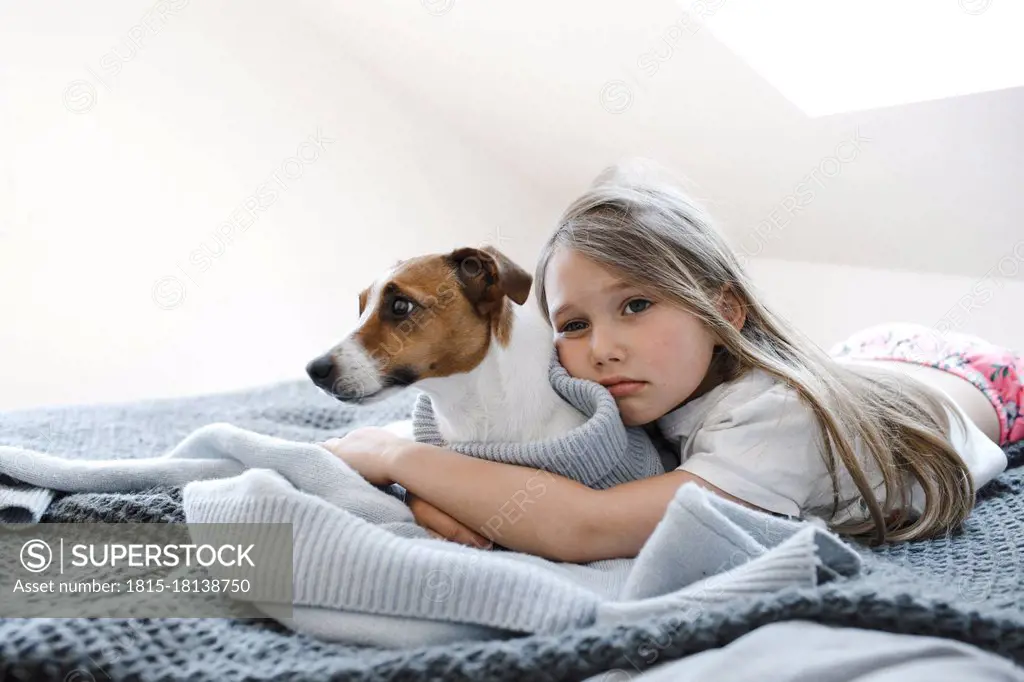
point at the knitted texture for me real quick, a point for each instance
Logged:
(384, 584)
(21, 503)
(967, 586)
(160, 504)
(600, 453)
(365, 572)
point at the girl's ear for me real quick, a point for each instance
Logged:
(731, 308)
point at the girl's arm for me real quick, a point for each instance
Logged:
(534, 511)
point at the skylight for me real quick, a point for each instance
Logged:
(834, 56)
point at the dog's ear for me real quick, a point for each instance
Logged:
(362, 300)
(487, 275)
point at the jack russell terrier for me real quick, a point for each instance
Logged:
(454, 326)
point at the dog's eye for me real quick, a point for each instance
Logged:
(401, 307)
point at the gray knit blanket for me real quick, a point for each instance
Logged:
(966, 587)
(365, 573)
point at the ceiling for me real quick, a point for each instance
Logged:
(556, 91)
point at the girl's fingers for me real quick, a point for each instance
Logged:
(442, 526)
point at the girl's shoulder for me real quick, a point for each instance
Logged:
(753, 397)
(759, 399)
(755, 439)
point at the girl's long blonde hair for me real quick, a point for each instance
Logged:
(649, 232)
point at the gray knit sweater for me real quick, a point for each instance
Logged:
(600, 453)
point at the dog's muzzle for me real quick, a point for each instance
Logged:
(353, 377)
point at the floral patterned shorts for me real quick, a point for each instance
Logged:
(997, 371)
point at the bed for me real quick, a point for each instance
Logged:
(968, 587)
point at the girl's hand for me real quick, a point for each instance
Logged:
(442, 526)
(369, 450)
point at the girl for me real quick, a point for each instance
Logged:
(888, 438)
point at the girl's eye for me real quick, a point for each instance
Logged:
(567, 325)
(647, 305)
(401, 307)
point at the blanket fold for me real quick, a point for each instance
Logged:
(357, 549)
(359, 554)
(22, 502)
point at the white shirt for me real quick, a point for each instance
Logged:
(762, 444)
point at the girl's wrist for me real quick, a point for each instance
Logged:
(398, 453)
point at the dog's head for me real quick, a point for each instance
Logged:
(430, 316)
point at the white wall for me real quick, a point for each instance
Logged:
(560, 89)
(106, 210)
(830, 302)
(116, 172)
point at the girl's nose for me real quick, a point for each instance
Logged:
(606, 347)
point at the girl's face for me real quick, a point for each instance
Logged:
(605, 328)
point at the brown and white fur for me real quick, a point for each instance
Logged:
(456, 327)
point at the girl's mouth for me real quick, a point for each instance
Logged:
(625, 388)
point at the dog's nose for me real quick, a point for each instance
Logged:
(321, 370)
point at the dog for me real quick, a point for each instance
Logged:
(457, 327)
